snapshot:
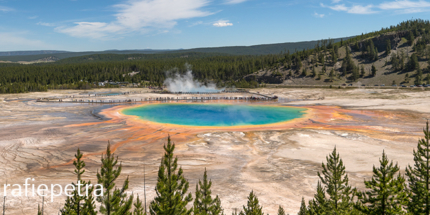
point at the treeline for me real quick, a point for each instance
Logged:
(225, 71)
(387, 192)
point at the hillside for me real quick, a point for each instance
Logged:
(232, 50)
(406, 64)
(18, 53)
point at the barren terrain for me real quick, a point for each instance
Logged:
(39, 140)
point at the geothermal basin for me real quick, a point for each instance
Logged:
(272, 148)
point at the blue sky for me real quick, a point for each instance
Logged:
(93, 25)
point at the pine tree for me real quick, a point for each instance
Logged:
(428, 77)
(411, 38)
(335, 180)
(39, 211)
(304, 72)
(386, 194)
(362, 73)
(281, 211)
(204, 204)
(79, 203)
(171, 188)
(355, 73)
(303, 209)
(314, 72)
(419, 76)
(253, 207)
(376, 53)
(388, 52)
(138, 207)
(334, 58)
(319, 204)
(419, 177)
(373, 70)
(113, 200)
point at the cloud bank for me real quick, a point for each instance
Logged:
(398, 6)
(139, 16)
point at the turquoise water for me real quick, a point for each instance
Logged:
(214, 114)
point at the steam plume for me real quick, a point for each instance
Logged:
(186, 83)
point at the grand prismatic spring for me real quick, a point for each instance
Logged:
(214, 114)
(274, 148)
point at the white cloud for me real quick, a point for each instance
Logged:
(33, 17)
(17, 41)
(339, 7)
(403, 4)
(336, 1)
(140, 16)
(6, 9)
(234, 1)
(355, 9)
(399, 6)
(358, 9)
(319, 15)
(45, 24)
(222, 23)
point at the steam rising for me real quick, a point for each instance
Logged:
(186, 83)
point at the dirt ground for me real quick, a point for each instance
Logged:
(39, 139)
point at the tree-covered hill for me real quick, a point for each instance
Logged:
(398, 55)
(395, 55)
(232, 50)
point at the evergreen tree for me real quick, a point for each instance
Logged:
(336, 180)
(319, 204)
(428, 78)
(376, 54)
(334, 58)
(419, 177)
(305, 72)
(204, 204)
(172, 187)
(79, 203)
(419, 76)
(374, 70)
(395, 61)
(362, 73)
(413, 62)
(303, 209)
(386, 194)
(253, 207)
(355, 74)
(113, 200)
(281, 211)
(411, 39)
(388, 49)
(314, 72)
(39, 211)
(138, 207)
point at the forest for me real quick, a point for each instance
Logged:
(224, 70)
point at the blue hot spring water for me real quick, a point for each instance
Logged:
(214, 114)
